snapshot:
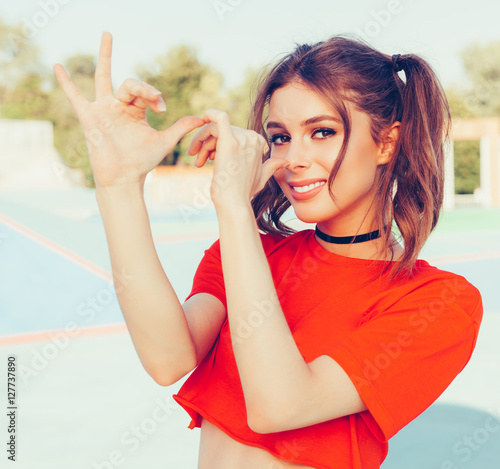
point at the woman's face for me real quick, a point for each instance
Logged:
(308, 132)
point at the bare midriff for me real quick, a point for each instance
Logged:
(219, 451)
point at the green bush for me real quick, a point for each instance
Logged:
(467, 175)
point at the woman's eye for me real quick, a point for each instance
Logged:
(323, 133)
(279, 139)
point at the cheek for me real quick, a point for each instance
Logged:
(326, 153)
(357, 172)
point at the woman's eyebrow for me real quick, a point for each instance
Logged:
(274, 125)
(316, 119)
(311, 120)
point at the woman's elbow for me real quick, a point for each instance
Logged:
(168, 375)
(163, 379)
(259, 425)
(262, 420)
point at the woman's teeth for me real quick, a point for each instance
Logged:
(309, 187)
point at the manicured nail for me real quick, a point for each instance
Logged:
(161, 104)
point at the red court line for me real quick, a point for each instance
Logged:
(46, 336)
(81, 261)
(57, 248)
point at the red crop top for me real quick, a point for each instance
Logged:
(401, 346)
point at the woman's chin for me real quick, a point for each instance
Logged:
(311, 216)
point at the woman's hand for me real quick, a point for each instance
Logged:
(239, 173)
(122, 146)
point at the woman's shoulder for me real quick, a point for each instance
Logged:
(274, 241)
(436, 288)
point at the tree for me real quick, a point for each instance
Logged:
(481, 99)
(188, 86)
(27, 100)
(239, 99)
(68, 136)
(482, 63)
(29, 91)
(458, 103)
(19, 63)
(467, 176)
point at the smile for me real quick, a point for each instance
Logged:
(308, 187)
(306, 192)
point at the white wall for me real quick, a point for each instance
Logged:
(28, 159)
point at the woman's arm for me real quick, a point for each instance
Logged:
(123, 148)
(155, 318)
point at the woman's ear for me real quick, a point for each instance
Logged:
(388, 144)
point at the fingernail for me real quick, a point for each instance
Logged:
(161, 104)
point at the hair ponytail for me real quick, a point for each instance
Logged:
(419, 165)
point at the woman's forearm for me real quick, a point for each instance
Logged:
(154, 316)
(271, 368)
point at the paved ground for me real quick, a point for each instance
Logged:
(84, 400)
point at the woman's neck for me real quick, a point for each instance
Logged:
(373, 249)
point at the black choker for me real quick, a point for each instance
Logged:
(347, 239)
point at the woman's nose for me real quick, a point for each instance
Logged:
(297, 155)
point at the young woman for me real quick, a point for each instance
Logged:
(310, 349)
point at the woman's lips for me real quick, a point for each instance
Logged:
(306, 195)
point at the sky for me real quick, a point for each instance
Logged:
(232, 35)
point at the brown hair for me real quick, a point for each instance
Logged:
(410, 186)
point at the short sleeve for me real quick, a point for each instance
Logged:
(402, 359)
(208, 277)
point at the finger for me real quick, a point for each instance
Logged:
(179, 129)
(157, 106)
(211, 156)
(270, 166)
(221, 119)
(207, 149)
(209, 130)
(103, 85)
(265, 146)
(141, 95)
(70, 90)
